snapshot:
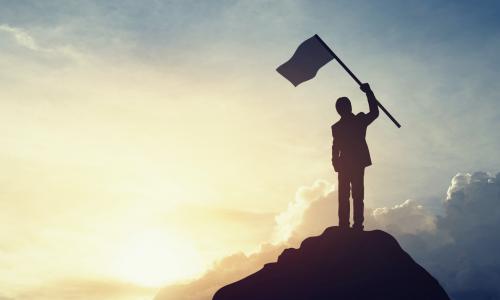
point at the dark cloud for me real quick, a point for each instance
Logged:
(463, 250)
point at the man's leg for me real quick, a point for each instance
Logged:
(358, 194)
(344, 194)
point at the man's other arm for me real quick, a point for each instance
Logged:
(372, 103)
(335, 153)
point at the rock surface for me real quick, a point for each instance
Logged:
(339, 264)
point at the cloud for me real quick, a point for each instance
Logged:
(458, 182)
(312, 210)
(21, 37)
(239, 265)
(460, 248)
(291, 218)
(321, 212)
(407, 217)
(223, 272)
(25, 40)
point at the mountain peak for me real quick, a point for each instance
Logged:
(339, 264)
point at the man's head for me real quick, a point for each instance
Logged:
(343, 106)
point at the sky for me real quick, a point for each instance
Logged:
(144, 141)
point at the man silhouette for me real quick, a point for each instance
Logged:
(350, 156)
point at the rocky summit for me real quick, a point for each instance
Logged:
(339, 264)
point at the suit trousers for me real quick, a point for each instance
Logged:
(351, 179)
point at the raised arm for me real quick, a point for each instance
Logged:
(372, 103)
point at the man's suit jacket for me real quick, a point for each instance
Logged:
(349, 148)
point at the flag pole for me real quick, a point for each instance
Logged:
(355, 78)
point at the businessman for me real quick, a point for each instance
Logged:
(350, 156)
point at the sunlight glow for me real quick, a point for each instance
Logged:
(152, 258)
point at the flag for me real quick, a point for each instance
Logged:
(309, 57)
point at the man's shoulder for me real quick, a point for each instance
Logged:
(336, 124)
(335, 127)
